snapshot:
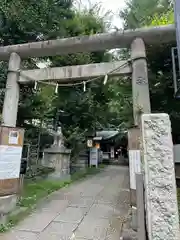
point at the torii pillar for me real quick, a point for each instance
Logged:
(141, 104)
(9, 118)
(11, 100)
(155, 158)
(140, 85)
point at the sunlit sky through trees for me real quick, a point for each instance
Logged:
(111, 6)
(114, 6)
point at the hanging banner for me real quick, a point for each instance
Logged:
(112, 152)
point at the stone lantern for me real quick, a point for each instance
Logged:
(58, 157)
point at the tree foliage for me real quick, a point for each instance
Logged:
(27, 21)
(77, 111)
(82, 112)
(152, 13)
(140, 13)
(163, 19)
(100, 106)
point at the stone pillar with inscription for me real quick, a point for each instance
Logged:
(11, 100)
(140, 85)
(160, 185)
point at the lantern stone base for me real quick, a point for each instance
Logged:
(57, 158)
(7, 205)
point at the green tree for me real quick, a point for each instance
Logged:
(140, 13)
(163, 19)
(27, 21)
(80, 111)
(120, 113)
(152, 13)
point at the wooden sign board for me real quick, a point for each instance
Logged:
(134, 166)
(134, 160)
(11, 144)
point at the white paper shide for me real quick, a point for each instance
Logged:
(13, 137)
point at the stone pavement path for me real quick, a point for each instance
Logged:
(91, 209)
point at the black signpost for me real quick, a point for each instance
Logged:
(177, 24)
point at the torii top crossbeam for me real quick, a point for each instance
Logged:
(119, 39)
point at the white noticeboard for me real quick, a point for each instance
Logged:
(10, 160)
(134, 166)
(94, 157)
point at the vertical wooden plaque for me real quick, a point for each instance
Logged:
(133, 144)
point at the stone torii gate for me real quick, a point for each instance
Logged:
(137, 66)
(122, 39)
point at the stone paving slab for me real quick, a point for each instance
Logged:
(115, 228)
(19, 235)
(59, 228)
(93, 209)
(71, 215)
(53, 236)
(92, 190)
(82, 202)
(54, 206)
(92, 228)
(65, 195)
(36, 222)
(103, 211)
(106, 199)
